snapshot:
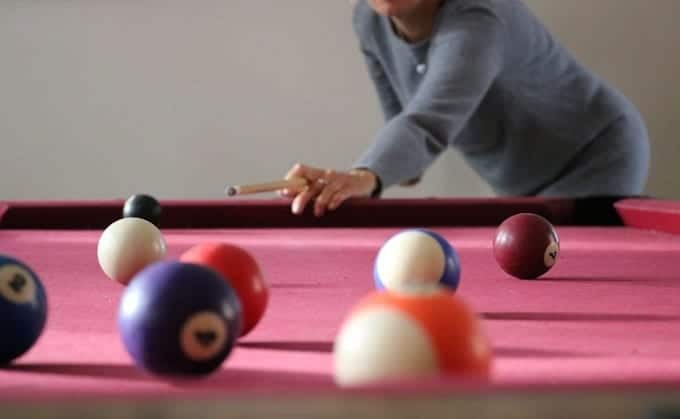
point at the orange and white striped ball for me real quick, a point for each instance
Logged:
(421, 332)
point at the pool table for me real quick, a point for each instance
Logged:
(596, 337)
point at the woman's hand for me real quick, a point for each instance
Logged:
(328, 188)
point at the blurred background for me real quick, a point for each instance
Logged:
(102, 99)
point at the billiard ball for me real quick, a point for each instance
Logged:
(23, 308)
(241, 270)
(416, 256)
(424, 332)
(179, 319)
(526, 246)
(127, 246)
(143, 206)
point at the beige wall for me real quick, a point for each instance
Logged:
(101, 99)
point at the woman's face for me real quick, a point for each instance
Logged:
(395, 8)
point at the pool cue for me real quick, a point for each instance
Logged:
(265, 187)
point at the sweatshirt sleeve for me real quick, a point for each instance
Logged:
(465, 56)
(389, 102)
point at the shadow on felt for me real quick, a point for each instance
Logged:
(111, 371)
(577, 317)
(292, 346)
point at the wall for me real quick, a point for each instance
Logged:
(103, 99)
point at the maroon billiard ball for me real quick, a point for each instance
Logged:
(526, 246)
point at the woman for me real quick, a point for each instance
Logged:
(486, 78)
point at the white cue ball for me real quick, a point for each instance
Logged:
(127, 246)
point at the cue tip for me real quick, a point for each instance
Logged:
(231, 191)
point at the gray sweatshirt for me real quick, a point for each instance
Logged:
(494, 84)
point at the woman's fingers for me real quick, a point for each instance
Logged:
(301, 171)
(302, 199)
(305, 172)
(338, 198)
(332, 184)
(328, 188)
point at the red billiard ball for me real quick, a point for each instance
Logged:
(526, 246)
(240, 269)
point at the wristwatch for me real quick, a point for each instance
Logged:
(377, 189)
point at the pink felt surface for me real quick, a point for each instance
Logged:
(608, 313)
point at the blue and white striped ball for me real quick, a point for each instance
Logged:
(416, 256)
